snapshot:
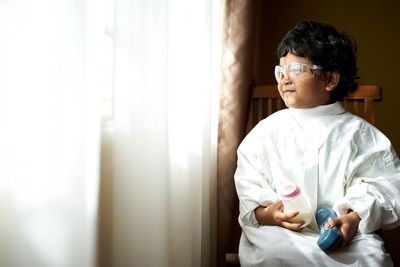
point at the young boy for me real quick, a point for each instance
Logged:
(336, 158)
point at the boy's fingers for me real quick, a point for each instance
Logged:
(276, 206)
(334, 222)
(284, 216)
(279, 205)
(293, 226)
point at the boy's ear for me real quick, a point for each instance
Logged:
(331, 80)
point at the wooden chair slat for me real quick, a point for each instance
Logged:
(269, 106)
(369, 110)
(279, 104)
(355, 107)
(259, 109)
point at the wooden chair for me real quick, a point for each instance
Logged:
(265, 100)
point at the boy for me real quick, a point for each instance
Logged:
(338, 160)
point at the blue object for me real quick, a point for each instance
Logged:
(329, 238)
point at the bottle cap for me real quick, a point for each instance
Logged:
(289, 191)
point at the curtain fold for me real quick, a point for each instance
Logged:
(236, 77)
(159, 149)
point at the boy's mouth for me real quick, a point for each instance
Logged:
(288, 91)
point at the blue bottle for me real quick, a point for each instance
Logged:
(329, 238)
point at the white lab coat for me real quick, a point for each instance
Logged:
(338, 160)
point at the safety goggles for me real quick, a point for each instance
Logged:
(295, 71)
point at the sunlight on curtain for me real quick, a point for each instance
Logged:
(49, 136)
(159, 149)
(192, 118)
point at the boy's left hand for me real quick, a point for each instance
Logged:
(348, 225)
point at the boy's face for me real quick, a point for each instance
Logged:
(303, 93)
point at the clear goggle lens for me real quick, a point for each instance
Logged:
(295, 71)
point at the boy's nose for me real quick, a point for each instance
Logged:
(286, 82)
(284, 79)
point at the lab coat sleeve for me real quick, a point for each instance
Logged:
(252, 176)
(372, 188)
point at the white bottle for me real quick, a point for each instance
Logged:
(294, 201)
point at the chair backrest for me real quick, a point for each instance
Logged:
(265, 100)
(362, 101)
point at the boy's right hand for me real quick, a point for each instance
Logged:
(273, 215)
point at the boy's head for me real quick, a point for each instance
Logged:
(325, 47)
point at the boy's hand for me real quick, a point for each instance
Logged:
(348, 225)
(273, 215)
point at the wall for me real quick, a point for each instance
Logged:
(375, 26)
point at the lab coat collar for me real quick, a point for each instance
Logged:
(324, 110)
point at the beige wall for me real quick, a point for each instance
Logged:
(374, 24)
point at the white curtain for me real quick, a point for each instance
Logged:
(138, 189)
(159, 147)
(49, 137)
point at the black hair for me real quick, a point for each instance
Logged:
(323, 45)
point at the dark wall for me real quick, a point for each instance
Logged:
(374, 24)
